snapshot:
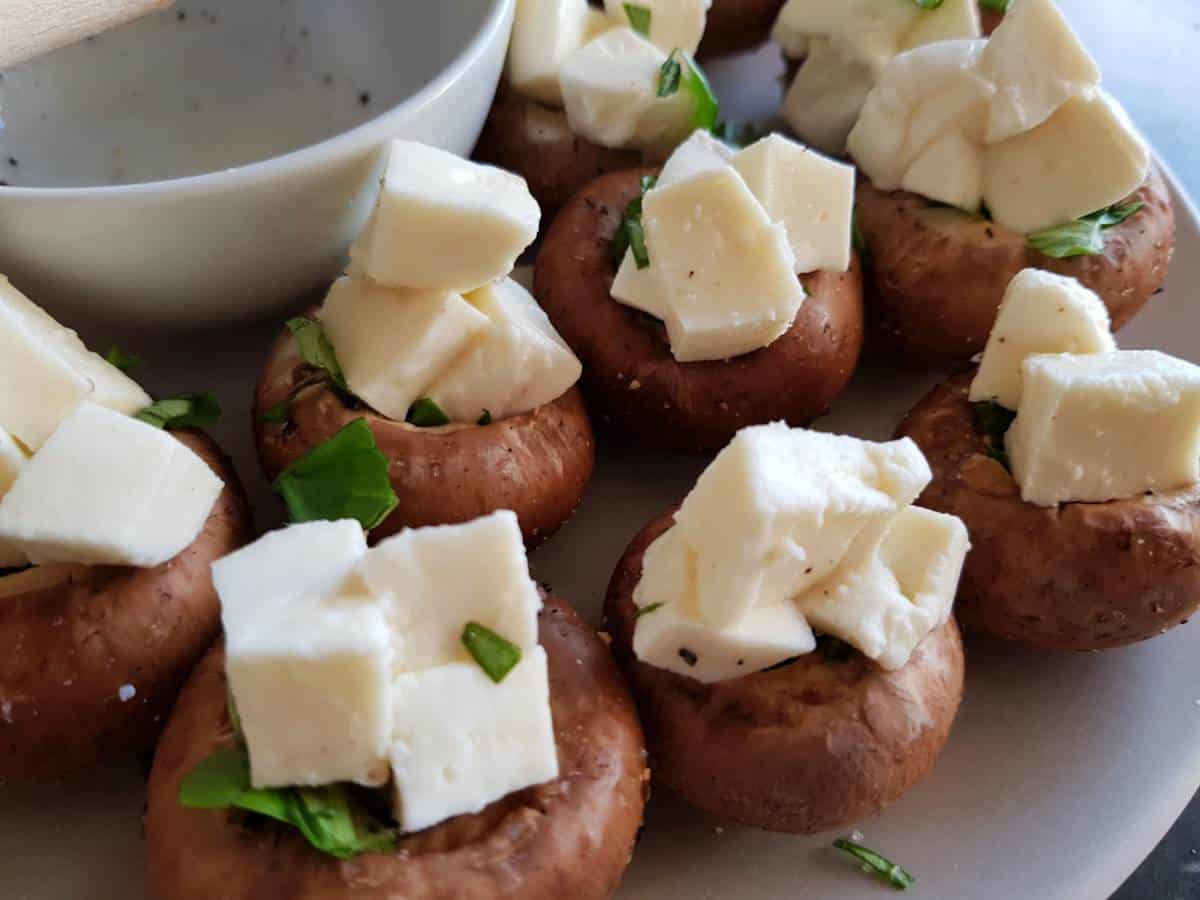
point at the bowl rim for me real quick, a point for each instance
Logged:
(357, 140)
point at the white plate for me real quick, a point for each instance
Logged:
(1062, 772)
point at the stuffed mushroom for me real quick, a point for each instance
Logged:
(1085, 530)
(679, 293)
(108, 524)
(465, 387)
(796, 664)
(480, 743)
(1016, 160)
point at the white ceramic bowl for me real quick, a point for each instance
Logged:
(283, 104)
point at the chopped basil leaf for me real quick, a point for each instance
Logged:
(1000, 6)
(496, 656)
(738, 134)
(486, 418)
(856, 237)
(928, 4)
(630, 234)
(317, 350)
(649, 608)
(344, 478)
(184, 411)
(994, 421)
(126, 362)
(670, 75)
(426, 414)
(1082, 237)
(873, 862)
(680, 72)
(235, 719)
(329, 817)
(639, 18)
(278, 412)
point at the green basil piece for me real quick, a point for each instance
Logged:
(317, 350)
(630, 234)
(639, 18)
(857, 241)
(928, 4)
(426, 414)
(680, 72)
(670, 75)
(184, 411)
(738, 134)
(880, 865)
(1082, 237)
(486, 418)
(648, 608)
(496, 656)
(126, 362)
(344, 478)
(277, 413)
(1000, 6)
(994, 421)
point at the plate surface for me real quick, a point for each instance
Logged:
(1061, 774)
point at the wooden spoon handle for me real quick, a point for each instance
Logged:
(29, 28)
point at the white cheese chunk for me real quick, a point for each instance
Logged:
(1040, 178)
(1038, 63)
(1104, 426)
(724, 271)
(812, 196)
(444, 222)
(437, 580)
(1041, 313)
(699, 153)
(518, 363)
(544, 33)
(826, 97)
(106, 489)
(393, 344)
(892, 589)
(637, 288)
(56, 371)
(674, 24)
(949, 21)
(778, 508)
(461, 742)
(949, 170)
(610, 91)
(866, 31)
(12, 460)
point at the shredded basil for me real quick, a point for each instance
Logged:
(496, 656)
(639, 18)
(126, 362)
(738, 134)
(994, 421)
(1082, 237)
(426, 414)
(856, 237)
(277, 413)
(630, 234)
(928, 4)
(486, 418)
(649, 608)
(1000, 6)
(877, 864)
(317, 350)
(680, 72)
(184, 411)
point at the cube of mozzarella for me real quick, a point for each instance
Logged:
(436, 580)
(546, 32)
(866, 31)
(394, 344)
(812, 196)
(949, 170)
(518, 363)
(950, 20)
(637, 288)
(445, 223)
(826, 97)
(12, 460)
(894, 587)
(1105, 426)
(779, 507)
(674, 24)
(1041, 313)
(106, 489)
(723, 270)
(699, 153)
(461, 742)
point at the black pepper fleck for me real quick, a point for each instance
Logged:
(181, 16)
(12, 161)
(688, 656)
(364, 98)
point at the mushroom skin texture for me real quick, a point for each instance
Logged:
(807, 746)
(73, 650)
(734, 26)
(936, 276)
(537, 464)
(633, 384)
(567, 839)
(1079, 576)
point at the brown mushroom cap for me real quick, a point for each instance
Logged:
(803, 747)
(70, 648)
(570, 838)
(1079, 576)
(634, 384)
(537, 464)
(935, 276)
(736, 25)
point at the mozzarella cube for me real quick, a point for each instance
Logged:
(893, 589)
(436, 580)
(724, 271)
(674, 24)
(778, 508)
(394, 344)
(951, 20)
(812, 196)
(12, 460)
(949, 170)
(637, 288)
(1041, 313)
(518, 363)
(699, 153)
(1038, 63)
(1105, 426)
(444, 222)
(546, 32)
(866, 31)
(826, 97)
(610, 91)
(461, 742)
(106, 489)
(1040, 178)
